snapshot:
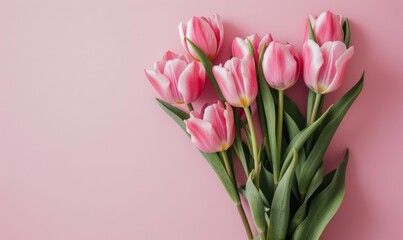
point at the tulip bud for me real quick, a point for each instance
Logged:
(327, 27)
(324, 66)
(176, 79)
(237, 81)
(240, 47)
(280, 65)
(206, 33)
(212, 130)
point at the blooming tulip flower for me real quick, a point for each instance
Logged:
(237, 81)
(327, 27)
(212, 130)
(280, 65)
(240, 47)
(206, 33)
(324, 66)
(176, 79)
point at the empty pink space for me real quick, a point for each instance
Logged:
(86, 153)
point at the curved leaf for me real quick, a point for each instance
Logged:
(256, 204)
(300, 139)
(270, 114)
(323, 207)
(280, 209)
(332, 122)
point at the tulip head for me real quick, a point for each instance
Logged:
(237, 81)
(327, 27)
(240, 47)
(176, 79)
(212, 130)
(281, 65)
(206, 33)
(324, 66)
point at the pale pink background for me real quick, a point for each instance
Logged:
(85, 153)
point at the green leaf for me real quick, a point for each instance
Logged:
(292, 109)
(270, 114)
(267, 184)
(331, 123)
(292, 127)
(300, 214)
(256, 204)
(346, 29)
(300, 139)
(280, 209)
(323, 207)
(212, 158)
(208, 65)
(174, 112)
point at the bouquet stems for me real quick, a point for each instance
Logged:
(279, 127)
(239, 206)
(254, 146)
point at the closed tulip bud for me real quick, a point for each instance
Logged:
(212, 130)
(327, 27)
(324, 66)
(237, 81)
(206, 33)
(280, 65)
(240, 47)
(176, 79)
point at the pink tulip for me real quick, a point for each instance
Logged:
(237, 81)
(176, 79)
(240, 47)
(327, 27)
(206, 33)
(213, 129)
(280, 65)
(324, 66)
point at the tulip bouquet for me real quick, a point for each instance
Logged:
(287, 191)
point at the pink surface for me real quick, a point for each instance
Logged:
(85, 153)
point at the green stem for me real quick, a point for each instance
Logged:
(254, 146)
(279, 131)
(262, 236)
(315, 107)
(239, 206)
(245, 222)
(190, 107)
(228, 166)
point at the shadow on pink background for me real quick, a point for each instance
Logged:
(85, 152)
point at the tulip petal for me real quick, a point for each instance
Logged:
(279, 66)
(203, 135)
(173, 70)
(200, 33)
(226, 82)
(312, 63)
(215, 115)
(161, 84)
(248, 71)
(169, 55)
(182, 36)
(229, 117)
(240, 48)
(341, 65)
(331, 52)
(328, 28)
(191, 82)
(218, 30)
